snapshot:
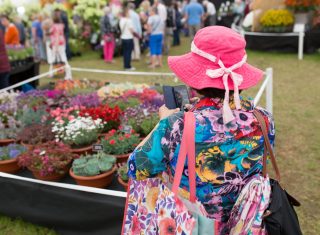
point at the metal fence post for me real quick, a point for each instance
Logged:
(269, 90)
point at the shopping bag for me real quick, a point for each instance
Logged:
(154, 207)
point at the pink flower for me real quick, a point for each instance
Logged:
(179, 205)
(112, 142)
(142, 210)
(61, 121)
(37, 151)
(70, 118)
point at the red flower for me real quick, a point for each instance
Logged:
(121, 138)
(127, 136)
(112, 142)
(136, 228)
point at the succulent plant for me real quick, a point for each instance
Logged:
(91, 165)
(123, 172)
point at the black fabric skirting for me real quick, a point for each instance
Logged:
(23, 72)
(68, 212)
(284, 44)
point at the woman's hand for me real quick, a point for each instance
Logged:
(164, 112)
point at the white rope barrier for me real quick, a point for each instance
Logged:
(122, 72)
(68, 186)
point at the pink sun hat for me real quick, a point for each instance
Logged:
(217, 60)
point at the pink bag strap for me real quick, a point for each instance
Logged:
(187, 147)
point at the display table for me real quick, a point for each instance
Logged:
(67, 211)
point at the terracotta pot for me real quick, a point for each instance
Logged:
(5, 142)
(124, 184)
(51, 177)
(10, 166)
(82, 151)
(98, 181)
(122, 158)
(28, 146)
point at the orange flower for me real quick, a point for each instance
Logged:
(167, 226)
(152, 198)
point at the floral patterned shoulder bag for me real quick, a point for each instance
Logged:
(153, 207)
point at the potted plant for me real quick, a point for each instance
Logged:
(8, 158)
(142, 118)
(120, 144)
(8, 135)
(123, 176)
(32, 99)
(35, 134)
(29, 116)
(9, 124)
(303, 9)
(94, 170)
(78, 132)
(48, 161)
(110, 116)
(277, 20)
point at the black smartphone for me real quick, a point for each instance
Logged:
(176, 96)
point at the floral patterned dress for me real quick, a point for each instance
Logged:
(226, 155)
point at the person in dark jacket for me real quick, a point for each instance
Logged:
(4, 65)
(176, 31)
(22, 32)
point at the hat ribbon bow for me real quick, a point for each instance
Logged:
(225, 73)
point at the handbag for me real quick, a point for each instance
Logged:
(253, 213)
(280, 217)
(153, 207)
(108, 37)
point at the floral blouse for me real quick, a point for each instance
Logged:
(226, 155)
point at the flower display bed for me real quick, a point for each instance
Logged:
(75, 115)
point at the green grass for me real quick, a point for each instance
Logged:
(296, 110)
(19, 227)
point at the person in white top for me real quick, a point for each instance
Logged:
(162, 10)
(126, 28)
(211, 13)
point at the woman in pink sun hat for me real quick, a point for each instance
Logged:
(229, 140)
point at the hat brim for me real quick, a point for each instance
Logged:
(191, 69)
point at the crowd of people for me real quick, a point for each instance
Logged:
(48, 35)
(154, 26)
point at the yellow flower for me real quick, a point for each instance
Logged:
(277, 17)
